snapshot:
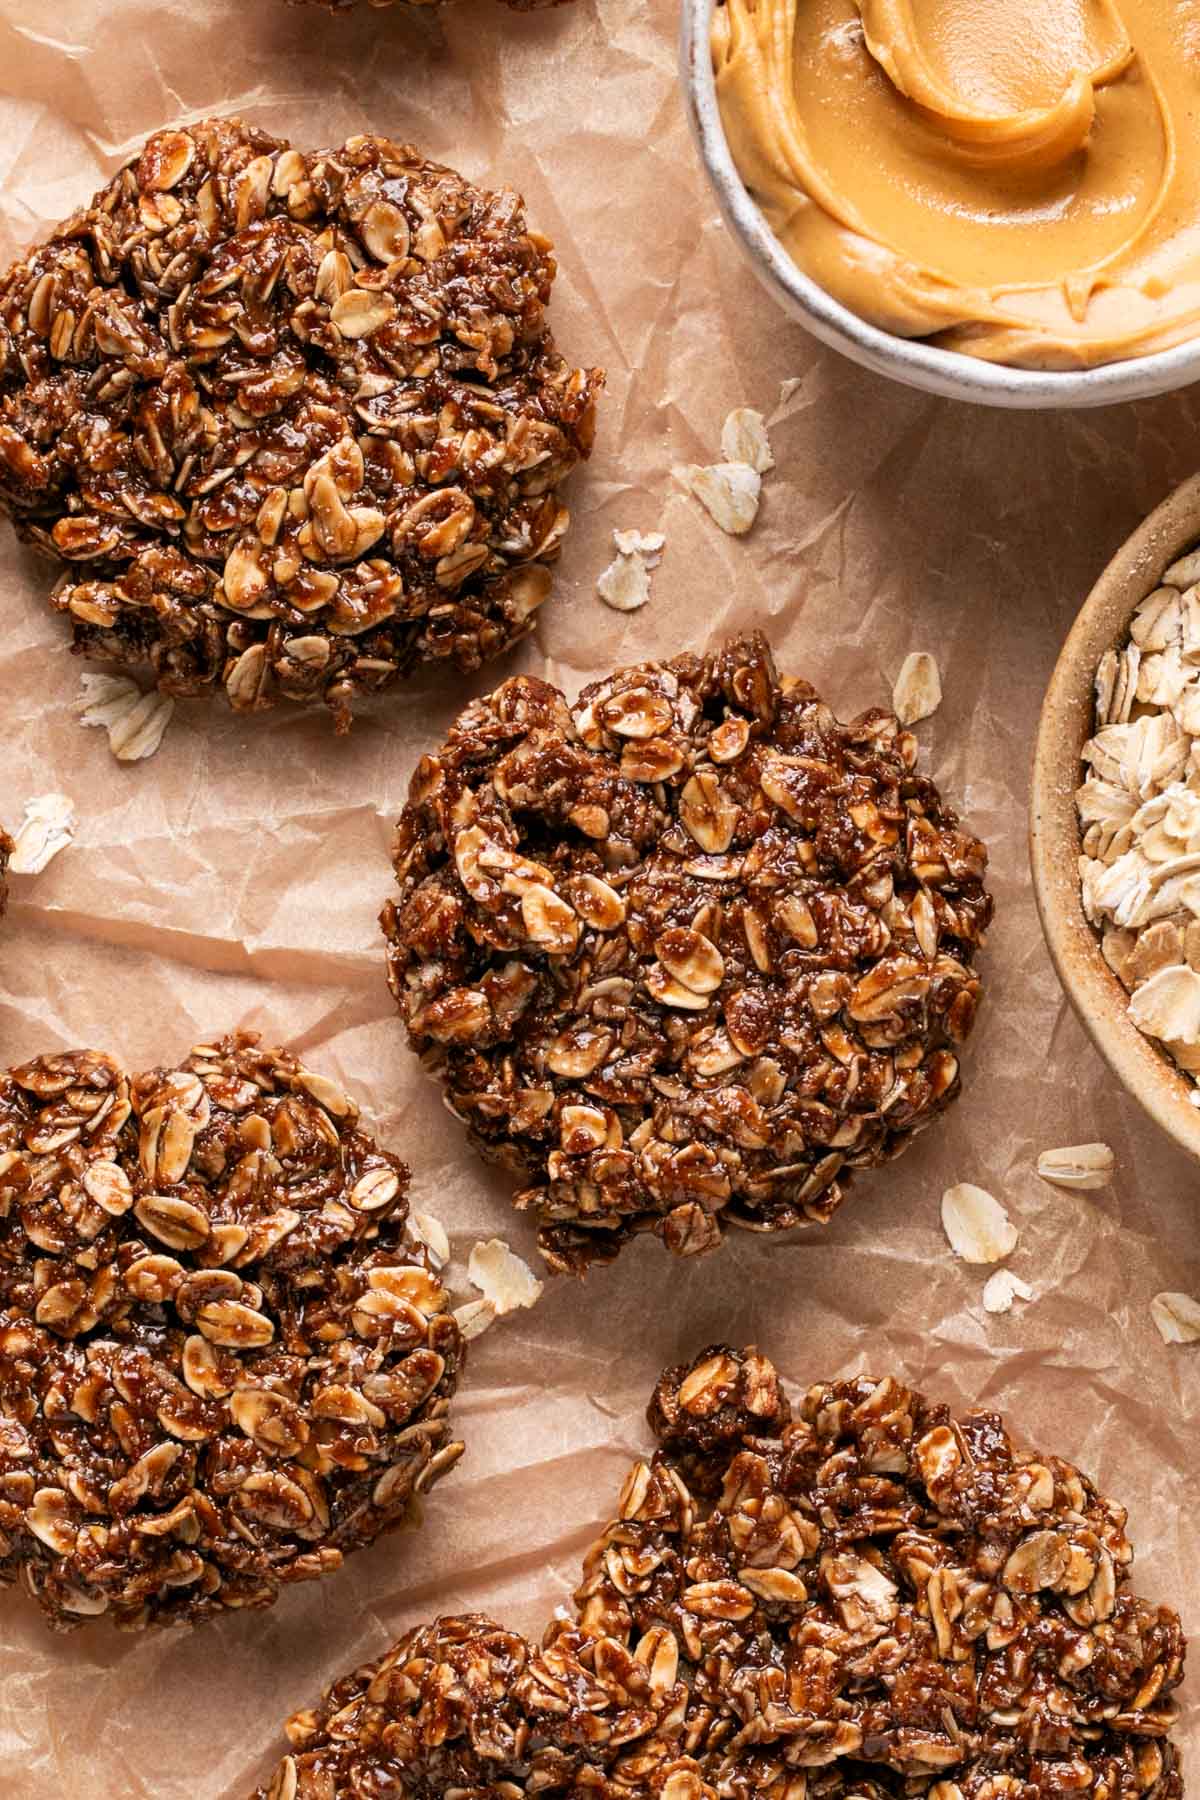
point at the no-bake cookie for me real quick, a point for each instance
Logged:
(687, 953)
(875, 1598)
(6, 850)
(225, 1362)
(293, 421)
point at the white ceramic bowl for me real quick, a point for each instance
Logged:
(919, 365)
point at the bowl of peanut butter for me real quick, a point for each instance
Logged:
(995, 200)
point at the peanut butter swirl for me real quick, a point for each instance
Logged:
(1009, 178)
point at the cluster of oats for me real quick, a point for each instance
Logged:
(135, 722)
(872, 1599)
(293, 421)
(684, 954)
(225, 1359)
(729, 491)
(980, 1232)
(1139, 810)
(625, 583)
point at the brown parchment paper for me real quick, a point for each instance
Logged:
(236, 878)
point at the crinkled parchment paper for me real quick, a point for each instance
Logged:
(235, 879)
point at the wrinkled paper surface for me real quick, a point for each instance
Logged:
(235, 879)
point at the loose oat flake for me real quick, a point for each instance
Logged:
(433, 1234)
(649, 545)
(744, 440)
(979, 1229)
(625, 583)
(47, 828)
(729, 492)
(474, 1317)
(134, 720)
(502, 1278)
(1002, 1288)
(918, 690)
(872, 1598)
(1177, 1317)
(1084, 1166)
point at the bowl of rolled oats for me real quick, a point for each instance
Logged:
(1115, 815)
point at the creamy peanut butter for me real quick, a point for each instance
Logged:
(1018, 179)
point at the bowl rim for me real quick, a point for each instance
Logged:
(948, 373)
(1064, 726)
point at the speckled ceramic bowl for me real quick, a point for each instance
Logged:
(1064, 728)
(916, 364)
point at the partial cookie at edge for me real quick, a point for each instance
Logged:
(225, 1361)
(871, 1598)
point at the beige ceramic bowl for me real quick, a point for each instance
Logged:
(1066, 725)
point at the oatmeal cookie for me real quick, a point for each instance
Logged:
(294, 422)
(874, 1598)
(225, 1362)
(686, 954)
